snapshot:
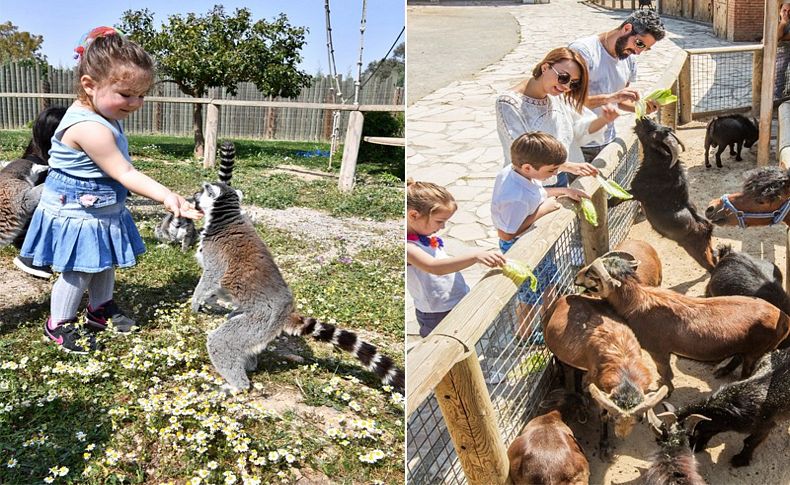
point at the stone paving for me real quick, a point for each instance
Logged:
(451, 132)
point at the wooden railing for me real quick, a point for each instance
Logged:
(353, 133)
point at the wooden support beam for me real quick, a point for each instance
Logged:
(684, 86)
(757, 81)
(471, 421)
(212, 126)
(770, 28)
(348, 166)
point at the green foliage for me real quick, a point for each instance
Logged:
(395, 65)
(220, 50)
(19, 46)
(383, 158)
(146, 409)
(198, 52)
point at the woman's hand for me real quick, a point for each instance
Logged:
(580, 169)
(609, 113)
(180, 207)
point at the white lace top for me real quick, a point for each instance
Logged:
(518, 113)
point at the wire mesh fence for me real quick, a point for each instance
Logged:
(518, 368)
(721, 81)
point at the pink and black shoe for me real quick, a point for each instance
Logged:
(98, 318)
(70, 338)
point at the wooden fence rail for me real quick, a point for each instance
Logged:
(212, 123)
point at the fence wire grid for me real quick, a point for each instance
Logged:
(721, 81)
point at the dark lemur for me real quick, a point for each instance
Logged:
(238, 266)
(180, 230)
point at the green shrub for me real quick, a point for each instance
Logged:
(386, 159)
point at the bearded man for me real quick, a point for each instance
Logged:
(612, 66)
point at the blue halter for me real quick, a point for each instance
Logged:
(776, 216)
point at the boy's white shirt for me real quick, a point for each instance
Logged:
(515, 198)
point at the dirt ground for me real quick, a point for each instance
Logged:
(694, 380)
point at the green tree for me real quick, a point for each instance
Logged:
(394, 65)
(219, 50)
(19, 46)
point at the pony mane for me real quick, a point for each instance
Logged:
(766, 184)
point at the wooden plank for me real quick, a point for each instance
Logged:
(210, 148)
(725, 49)
(383, 140)
(350, 151)
(767, 89)
(757, 80)
(471, 421)
(684, 86)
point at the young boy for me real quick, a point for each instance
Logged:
(519, 199)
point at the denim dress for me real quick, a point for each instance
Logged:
(82, 223)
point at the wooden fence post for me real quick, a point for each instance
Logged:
(471, 421)
(684, 86)
(350, 151)
(770, 28)
(757, 80)
(212, 123)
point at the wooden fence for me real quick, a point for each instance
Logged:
(281, 122)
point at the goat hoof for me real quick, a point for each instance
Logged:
(738, 159)
(739, 460)
(605, 453)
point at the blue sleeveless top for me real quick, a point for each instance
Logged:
(76, 162)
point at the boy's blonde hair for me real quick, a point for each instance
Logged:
(110, 57)
(426, 198)
(537, 149)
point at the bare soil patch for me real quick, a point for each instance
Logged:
(694, 380)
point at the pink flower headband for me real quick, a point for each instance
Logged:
(86, 39)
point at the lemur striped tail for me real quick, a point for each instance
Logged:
(227, 157)
(368, 355)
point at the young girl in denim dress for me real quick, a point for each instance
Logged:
(81, 226)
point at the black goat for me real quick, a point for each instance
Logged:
(660, 185)
(674, 463)
(646, 3)
(748, 406)
(741, 274)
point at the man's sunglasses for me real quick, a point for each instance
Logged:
(565, 78)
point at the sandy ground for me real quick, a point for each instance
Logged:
(694, 380)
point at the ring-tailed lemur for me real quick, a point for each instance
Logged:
(180, 230)
(238, 266)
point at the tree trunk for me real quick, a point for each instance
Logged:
(197, 126)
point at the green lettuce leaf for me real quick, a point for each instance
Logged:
(613, 188)
(588, 209)
(519, 273)
(660, 96)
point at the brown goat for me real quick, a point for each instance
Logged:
(649, 269)
(546, 452)
(667, 322)
(585, 333)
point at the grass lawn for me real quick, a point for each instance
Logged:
(146, 408)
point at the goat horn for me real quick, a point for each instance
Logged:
(599, 268)
(672, 143)
(650, 400)
(669, 407)
(655, 423)
(668, 417)
(603, 399)
(620, 254)
(693, 420)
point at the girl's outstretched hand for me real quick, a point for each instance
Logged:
(491, 259)
(180, 207)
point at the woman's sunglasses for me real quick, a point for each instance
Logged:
(565, 78)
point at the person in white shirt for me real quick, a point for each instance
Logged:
(552, 101)
(612, 67)
(432, 277)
